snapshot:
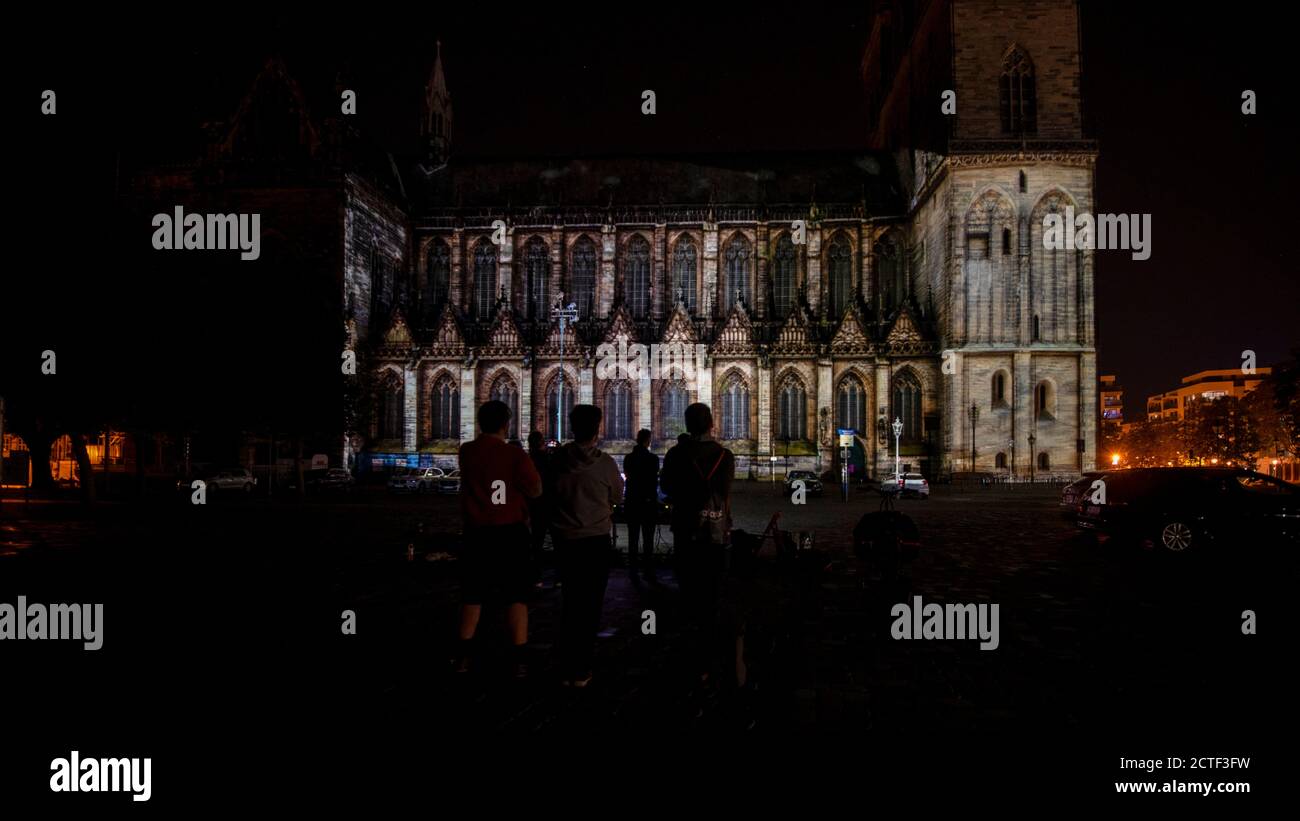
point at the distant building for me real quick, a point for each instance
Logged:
(1203, 386)
(1111, 394)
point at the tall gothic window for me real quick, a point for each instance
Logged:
(999, 388)
(485, 279)
(840, 257)
(737, 259)
(889, 276)
(907, 405)
(672, 410)
(684, 273)
(537, 267)
(554, 402)
(618, 410)
(445, 403)
(392, 407)
(1043, 401)
(636, 276)
(582, 277)
(794, 412)
(503, 390)
(783, 276)
(851, 405)
(1016, 95)
(439, 275)
(735, 409)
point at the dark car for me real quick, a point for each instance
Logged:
(1188, 509)
(330, 480)
(811, 483)
(1075, 492)
(449, 482)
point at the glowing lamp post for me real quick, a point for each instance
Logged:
(898, 431)
(564, 314)
(1114, 460)
(974, 417)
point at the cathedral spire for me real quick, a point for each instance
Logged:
(436, 120)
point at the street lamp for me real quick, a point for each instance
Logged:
(898, 431)
(1032, 456)
(565, 314)
(974, 415)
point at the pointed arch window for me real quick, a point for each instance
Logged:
(445, 402)
(1043, 401)
(907, 405)
(999, 389)
(392, 407)
(851, 405)
(1044, 461)
(685, 261)
(840, 263)
(439, 264)
(889, 276)
(735, 409)
(485, 279)
(618, 410)
(672, 411)
(537, 268)
(559, 397)
(504, 390)
(636, 277)
(1017, 96)
(783, 276)
(582, 277)
(793, 406)
(737, 262)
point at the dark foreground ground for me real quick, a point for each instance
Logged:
(222, 626)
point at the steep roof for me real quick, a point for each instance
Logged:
(866, 179)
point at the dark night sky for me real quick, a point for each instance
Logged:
(1162, 90)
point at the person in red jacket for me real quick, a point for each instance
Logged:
(496, 481)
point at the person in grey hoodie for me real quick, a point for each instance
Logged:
(587, 487)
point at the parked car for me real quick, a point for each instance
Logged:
(421, 480)
(811, 482)
(232, 479)
(450, 482)
(913, 484)
(1075, 492)
(331, 480)
(1190, 509)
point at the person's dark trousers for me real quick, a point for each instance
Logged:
(640, 528)
(701, 569)
(584, 569)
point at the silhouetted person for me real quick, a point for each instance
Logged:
(496, 481)
(641, 504)
(539, 508)
(697, 478)
(587, 486)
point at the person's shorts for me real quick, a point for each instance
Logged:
(496, 567)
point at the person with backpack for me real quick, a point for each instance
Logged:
(697, 477)
(587, 486)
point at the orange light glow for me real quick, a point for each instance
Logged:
(1114, 459)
